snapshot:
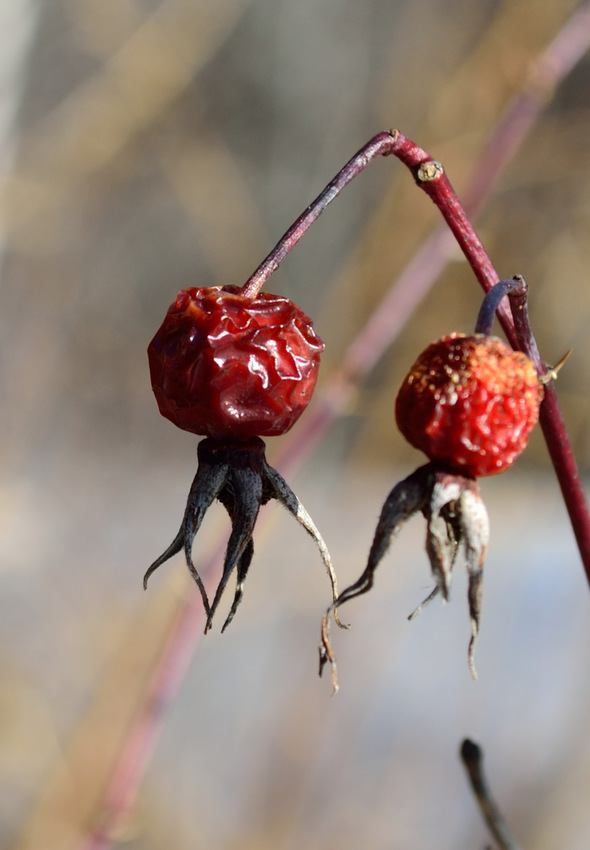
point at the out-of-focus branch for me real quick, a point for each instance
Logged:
(472, 758)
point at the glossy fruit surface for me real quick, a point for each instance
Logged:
(470, 402)
(225, 366)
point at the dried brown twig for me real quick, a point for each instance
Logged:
(472, 758)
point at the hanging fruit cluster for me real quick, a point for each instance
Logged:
(234, 365)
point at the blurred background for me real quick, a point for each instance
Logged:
(147, 146)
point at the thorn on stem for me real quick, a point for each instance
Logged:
(553, 371)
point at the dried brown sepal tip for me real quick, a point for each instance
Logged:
(457, 530)
(238, 476)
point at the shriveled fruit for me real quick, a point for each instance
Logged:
(231, 367)
(470, 403)
(234, 368)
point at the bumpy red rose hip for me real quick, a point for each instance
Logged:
(234, 368)
(469, 403)
(225, 366)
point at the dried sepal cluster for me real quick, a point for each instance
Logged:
(457, 532)
(241, 479)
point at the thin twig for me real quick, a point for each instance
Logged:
(472, 758)
(379, 145)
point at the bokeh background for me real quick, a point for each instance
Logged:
(146, 146)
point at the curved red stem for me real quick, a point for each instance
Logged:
(379, 145)
(519, 333)
(430, 176)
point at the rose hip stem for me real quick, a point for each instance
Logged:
(430, 176)
(380, 145)
(492, 300)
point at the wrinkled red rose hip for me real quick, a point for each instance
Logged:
(470, 402)
(225, 366)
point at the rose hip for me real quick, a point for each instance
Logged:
(234, 368)
(226, 366)
(470, 403)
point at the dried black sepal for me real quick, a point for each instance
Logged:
(238, 476)
(457, 525)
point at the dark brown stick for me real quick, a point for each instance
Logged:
(472, 758)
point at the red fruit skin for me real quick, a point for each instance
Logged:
(470, 403)
(229, 367)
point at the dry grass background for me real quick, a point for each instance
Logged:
(165, 144)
